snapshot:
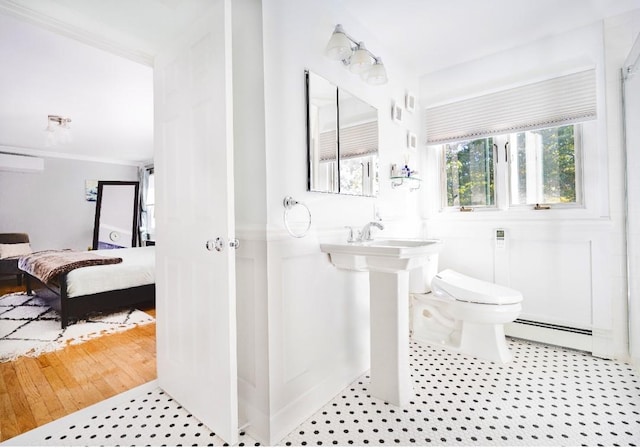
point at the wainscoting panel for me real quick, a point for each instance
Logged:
(555, 280)
(318, 330)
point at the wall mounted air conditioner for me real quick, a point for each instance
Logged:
(22, 164)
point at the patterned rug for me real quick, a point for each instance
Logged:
(30, 327)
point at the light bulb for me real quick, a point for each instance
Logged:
(339, 46)
(377, 75)
(360, 61)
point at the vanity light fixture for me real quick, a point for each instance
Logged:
(57, 130)
(355, 56)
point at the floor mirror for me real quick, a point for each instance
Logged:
(116, 217)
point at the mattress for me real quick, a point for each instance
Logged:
(137, 269)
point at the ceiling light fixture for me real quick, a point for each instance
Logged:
(57, 130)
(355, 56)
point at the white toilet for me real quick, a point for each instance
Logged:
(463, 313)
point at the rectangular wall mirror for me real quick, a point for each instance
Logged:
(342, 140)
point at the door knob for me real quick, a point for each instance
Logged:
(234, 243)
(217, 244)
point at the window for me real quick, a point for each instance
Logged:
(358, 175)
(470, 173)
(518, 146)
(542, 167)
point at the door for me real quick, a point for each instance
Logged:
(195, 288)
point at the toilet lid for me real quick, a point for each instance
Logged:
(468, 289)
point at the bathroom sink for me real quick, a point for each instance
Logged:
(388, 262)
(387, 255)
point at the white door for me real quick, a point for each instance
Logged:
(195, 288)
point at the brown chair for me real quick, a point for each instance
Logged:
(9, 266)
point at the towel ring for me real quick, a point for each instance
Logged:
(303, 224)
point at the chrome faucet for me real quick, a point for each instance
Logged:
(365, 234)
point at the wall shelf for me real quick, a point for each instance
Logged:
(413, 183)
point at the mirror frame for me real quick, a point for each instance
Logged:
(96, 224)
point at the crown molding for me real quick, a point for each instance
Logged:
(65, 155)
(19, 11)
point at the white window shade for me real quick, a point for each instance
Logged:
(554, 102)
(355, 141)
(328, 146)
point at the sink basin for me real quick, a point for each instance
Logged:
(388, 255)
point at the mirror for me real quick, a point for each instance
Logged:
(342, 140)
(116, 218)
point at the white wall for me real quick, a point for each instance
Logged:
(303, 325)
(569, 264)
(50, 205)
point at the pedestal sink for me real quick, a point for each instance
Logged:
(388, 263)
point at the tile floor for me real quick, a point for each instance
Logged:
(546, 396)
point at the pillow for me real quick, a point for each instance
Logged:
(14, 250)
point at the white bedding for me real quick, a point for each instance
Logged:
(137, 269)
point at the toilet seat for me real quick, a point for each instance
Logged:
(468, 289)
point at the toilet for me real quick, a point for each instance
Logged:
(462, 313)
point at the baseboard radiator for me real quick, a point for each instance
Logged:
(563, 336)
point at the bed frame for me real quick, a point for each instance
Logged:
(76, 307)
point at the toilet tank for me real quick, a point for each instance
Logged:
(420, 278)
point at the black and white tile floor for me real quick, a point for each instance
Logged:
(546, 396)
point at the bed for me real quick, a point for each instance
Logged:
(97, 287)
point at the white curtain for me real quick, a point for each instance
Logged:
(143, 175)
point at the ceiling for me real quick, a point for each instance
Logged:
(433, 34)
(110, 99)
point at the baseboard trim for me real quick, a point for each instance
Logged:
(569, 337)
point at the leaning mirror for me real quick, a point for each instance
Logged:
(116, 215)
(342, 140)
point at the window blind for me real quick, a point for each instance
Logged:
(355, 141)
(554, 102)
(328, 146)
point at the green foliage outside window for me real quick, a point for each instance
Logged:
(542, 168)
(470, 173)
(553, 167)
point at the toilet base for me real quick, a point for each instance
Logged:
(466, 343)
(481, 340)
(485, 341)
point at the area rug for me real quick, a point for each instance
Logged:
(30, 327)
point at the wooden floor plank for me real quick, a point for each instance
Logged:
(57, 385)
(38, 408)
(8, 423)
(17, 397)
(45, 391)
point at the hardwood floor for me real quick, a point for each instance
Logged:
(35, 391)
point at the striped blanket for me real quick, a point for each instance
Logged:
(47, 265)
